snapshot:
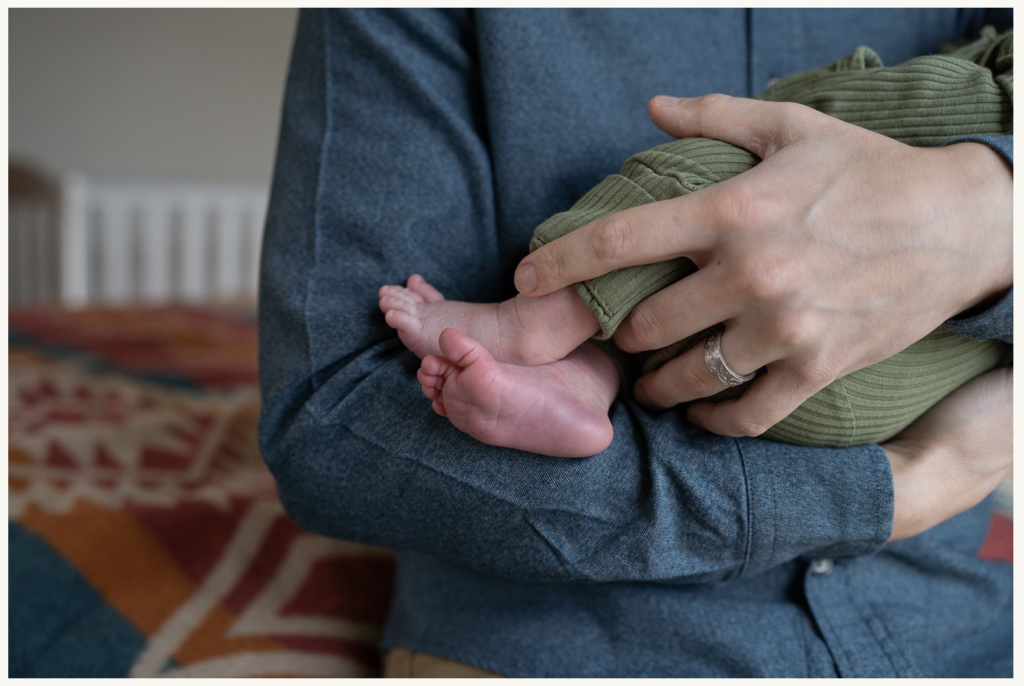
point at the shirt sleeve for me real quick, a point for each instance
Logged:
(383, 169)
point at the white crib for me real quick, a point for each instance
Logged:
(113, 241)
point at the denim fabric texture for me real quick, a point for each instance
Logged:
(434, 142)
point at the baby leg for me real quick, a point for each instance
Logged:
(524, 331)
(558, 409)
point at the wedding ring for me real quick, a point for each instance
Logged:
(717, 365)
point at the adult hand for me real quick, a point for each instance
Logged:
(954, 455)
(841, 248)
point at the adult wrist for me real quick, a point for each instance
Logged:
(930, 485)
(913, 506)
(988, 176)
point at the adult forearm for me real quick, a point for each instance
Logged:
(665, 503)
(954, 456)
(939, 472)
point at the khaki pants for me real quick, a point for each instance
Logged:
(402, 663)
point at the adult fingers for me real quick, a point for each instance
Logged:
(687, 377)
(690, 305)
(640, 235)
(755, 125)
(765, 403)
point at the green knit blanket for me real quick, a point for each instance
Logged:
(924, 102)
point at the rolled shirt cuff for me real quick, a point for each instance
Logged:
(805, 503)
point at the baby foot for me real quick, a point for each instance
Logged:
(523, 331)
(420, 313)
(405, 311)
(558, 409)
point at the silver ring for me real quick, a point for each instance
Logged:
(717, 365)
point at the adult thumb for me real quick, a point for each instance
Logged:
(755, 125)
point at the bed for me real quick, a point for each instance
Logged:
(145, 535)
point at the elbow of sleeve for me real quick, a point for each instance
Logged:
(304, 465)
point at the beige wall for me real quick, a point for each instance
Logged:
(172, 93)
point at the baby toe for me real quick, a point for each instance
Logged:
(422, 288)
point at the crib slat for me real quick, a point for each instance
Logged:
(257, 206)
(228, 253)
(74, 243)
(116, 248)
(16, 264)
(155, 233)
(25, 252)
(192, 262)
(43, 273)
(29, 248)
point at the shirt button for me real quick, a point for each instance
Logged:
(772, 80)
(822, 567)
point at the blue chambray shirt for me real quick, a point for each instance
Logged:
(434, 142)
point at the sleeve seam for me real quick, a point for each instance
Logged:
(749, 518)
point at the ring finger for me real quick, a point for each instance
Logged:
(688, 377)
(688, 306)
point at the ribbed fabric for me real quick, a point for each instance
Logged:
(924, 102)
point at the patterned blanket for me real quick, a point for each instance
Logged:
(145, 535)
